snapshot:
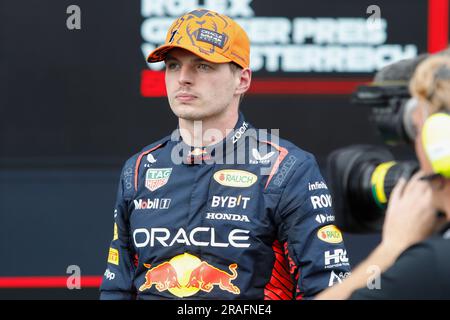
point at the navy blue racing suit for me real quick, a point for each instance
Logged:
(248, 218)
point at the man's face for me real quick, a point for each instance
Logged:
(198, 89)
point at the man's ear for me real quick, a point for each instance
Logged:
(245, 78)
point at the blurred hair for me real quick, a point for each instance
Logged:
(443, 52)
(431, 82)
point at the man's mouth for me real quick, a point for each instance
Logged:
(185, 97)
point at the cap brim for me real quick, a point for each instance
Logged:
(159, 54)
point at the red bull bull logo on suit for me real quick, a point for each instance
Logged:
(185, 275)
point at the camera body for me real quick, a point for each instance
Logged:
(391, 106)
(361, 177)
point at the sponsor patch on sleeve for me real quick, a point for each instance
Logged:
(113, 256)
(330, 234)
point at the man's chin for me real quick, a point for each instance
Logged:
(189, 113)
(190, 117)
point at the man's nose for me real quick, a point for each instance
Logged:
(185, 75)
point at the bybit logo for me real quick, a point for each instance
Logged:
(229, 202)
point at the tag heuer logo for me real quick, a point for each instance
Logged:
(156, 178)
(235, 178)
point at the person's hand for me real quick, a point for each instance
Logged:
(410, 216)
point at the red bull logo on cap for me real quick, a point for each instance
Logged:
(185, 275)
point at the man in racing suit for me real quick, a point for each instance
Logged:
(247, 216)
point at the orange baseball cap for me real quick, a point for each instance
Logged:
(211, 36)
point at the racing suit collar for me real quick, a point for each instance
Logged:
(218, 151)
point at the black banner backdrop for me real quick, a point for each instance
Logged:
(78, 93)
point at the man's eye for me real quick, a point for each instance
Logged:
(172, 66)
(203, 66)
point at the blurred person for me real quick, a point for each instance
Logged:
(413, 257)
(212, 227)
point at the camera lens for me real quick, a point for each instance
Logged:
(385, 177)
(361, 181)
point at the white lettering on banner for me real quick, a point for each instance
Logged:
(337, 31)
(176, 8)
(154, 30)
(142, 237)
(262, 30)
(322, 201)
(333, 58)
(281, 44)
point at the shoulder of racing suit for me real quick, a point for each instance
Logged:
(289, 159)
(128, 174)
